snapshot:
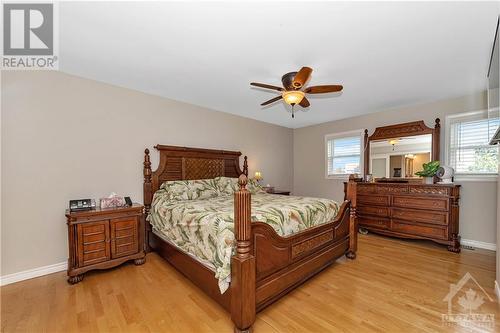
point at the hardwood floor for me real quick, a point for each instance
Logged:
(392, 286)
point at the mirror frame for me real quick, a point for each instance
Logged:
(402, 130)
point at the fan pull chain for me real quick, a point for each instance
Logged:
(293, 116)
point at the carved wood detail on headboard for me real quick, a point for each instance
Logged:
(183, 163)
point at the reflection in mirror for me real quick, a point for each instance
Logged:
(400, 157)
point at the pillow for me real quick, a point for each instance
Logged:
(191, 189)
(227, 186)
(254, 187)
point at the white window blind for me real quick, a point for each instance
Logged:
(469, 151)
(343, 155)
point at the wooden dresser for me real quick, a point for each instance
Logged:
(104, 238)
(416, 211)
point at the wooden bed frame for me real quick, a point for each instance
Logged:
(265, 266)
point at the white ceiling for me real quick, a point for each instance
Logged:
(386, 54)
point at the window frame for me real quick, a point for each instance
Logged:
(340, 135)
(463, 177)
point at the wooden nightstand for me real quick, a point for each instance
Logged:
(281, 192)
(104, 238)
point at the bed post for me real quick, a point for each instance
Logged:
(436, 140)
(147, 197)
(243, 262)
(353, 223)
(366, 152)
(245, 166)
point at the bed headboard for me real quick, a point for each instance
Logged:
(183, 163)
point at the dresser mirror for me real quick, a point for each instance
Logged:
(395, 153)
(400, 157)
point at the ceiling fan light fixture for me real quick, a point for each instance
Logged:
(393, 141)
(293, 97)
(292, 92)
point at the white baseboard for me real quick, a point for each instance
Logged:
(33, 273)
(478, 244)
(497, 290)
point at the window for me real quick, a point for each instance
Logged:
(468, 150)
(343, 154)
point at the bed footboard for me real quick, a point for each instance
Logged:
(267, 266)
(283, 263)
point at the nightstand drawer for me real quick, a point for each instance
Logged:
(280, 192)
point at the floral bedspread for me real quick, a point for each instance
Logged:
(204, 228)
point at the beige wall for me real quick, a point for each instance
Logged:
(395, 162)
(478, 199)
(65, 137)
(419, 160)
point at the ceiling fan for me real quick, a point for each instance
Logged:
(292, 92)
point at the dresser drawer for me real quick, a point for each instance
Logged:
(373, 222)
(373, 211)
(380, 200)
(418, 202)
(424, 216)
(365, 189)
(431, 190)
(420, 230)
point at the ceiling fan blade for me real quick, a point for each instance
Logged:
(272, 100)
(304, 103)
(323, 89)
(267, 86)
(301, 77)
